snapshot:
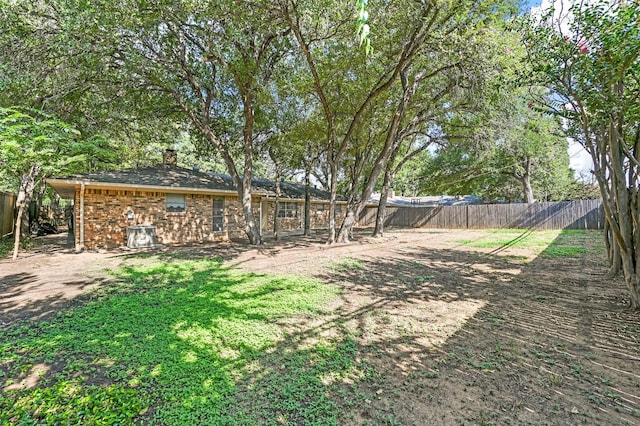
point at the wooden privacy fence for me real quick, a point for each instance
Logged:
(587, 214)
(7, 204)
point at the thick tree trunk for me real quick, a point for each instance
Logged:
(633, 284)
(613, 251)
(528, 191)
(251, 227)
(381, 214)
(307, 199)
(333, 192)
(354, 209)
(27, 186)
(526, 183)
(276, 228)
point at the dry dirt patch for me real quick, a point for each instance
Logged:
(481, 335)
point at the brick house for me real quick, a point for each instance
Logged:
(179, 206)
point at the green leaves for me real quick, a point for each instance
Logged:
(362, 27)
(29, 137)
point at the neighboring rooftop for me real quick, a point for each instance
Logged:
(427, 201)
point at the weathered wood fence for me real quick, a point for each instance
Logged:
(7, 204)
(587, 214)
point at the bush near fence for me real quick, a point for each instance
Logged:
(7, 205)
(586, 214)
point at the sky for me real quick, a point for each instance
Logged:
(532, 3)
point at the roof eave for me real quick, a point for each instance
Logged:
(68, 183)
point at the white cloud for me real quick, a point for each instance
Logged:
(561, 16)
(579, 159)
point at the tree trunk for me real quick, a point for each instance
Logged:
(381, 214)
(277, 206)
(27, 186)
(613, 251)
(354, 209)
(633, 284)
(307, 199)
(333, 188)
(251, 228)
(526, 183)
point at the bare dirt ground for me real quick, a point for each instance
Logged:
(458, 335)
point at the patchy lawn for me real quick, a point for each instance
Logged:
(421, 327)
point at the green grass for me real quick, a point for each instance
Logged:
(559, 243)
(182, 342)
(498, 238)
(348, 263)
(6, 246)
(557, 250)
(575, 243)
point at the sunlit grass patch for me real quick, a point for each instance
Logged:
(170, 343)
(498, 238)
(575, 243)
(348, 263)
(556, 243)
(564, 251)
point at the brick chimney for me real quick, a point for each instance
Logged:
(169, 157)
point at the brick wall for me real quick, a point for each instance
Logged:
(284, 223)
(320, 215)
(106, 219)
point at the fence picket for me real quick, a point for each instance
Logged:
(7, 204)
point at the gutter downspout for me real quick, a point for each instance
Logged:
(81, 242)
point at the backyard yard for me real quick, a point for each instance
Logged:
(419, 327)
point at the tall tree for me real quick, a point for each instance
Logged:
(34, 146)
(446, 75)
(345, 97)
(211, 60)
(590, 63)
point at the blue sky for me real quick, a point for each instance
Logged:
(528, 4)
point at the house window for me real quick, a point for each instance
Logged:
(218, 214)
(338, 208)
(288, 210)
(176, 203)
(319, 208)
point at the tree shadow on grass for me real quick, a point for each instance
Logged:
(170, 339)
(547, 342)
(423, 336)
(452, 337)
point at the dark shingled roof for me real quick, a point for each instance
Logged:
(178, 177)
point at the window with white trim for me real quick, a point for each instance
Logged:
(218, 214)
(176, 203)
(288, 210)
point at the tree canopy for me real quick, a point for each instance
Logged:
(589, 60)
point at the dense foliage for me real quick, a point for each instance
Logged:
(589, 60)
